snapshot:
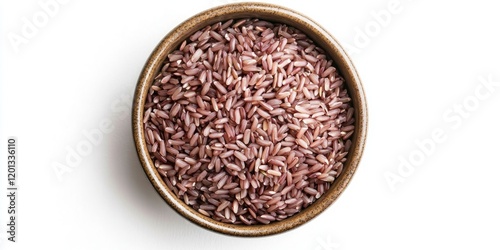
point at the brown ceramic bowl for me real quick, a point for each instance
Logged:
(270, 13)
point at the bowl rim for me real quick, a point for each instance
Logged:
(266, 12)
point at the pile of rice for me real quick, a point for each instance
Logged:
(248, 121)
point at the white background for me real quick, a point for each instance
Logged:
(419, 64)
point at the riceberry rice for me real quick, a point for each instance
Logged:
(248, 121)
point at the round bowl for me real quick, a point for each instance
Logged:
(270, 13)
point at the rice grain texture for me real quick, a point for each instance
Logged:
(248, 121)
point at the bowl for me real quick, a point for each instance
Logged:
(270, 13)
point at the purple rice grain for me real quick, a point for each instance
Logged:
(248, 122)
